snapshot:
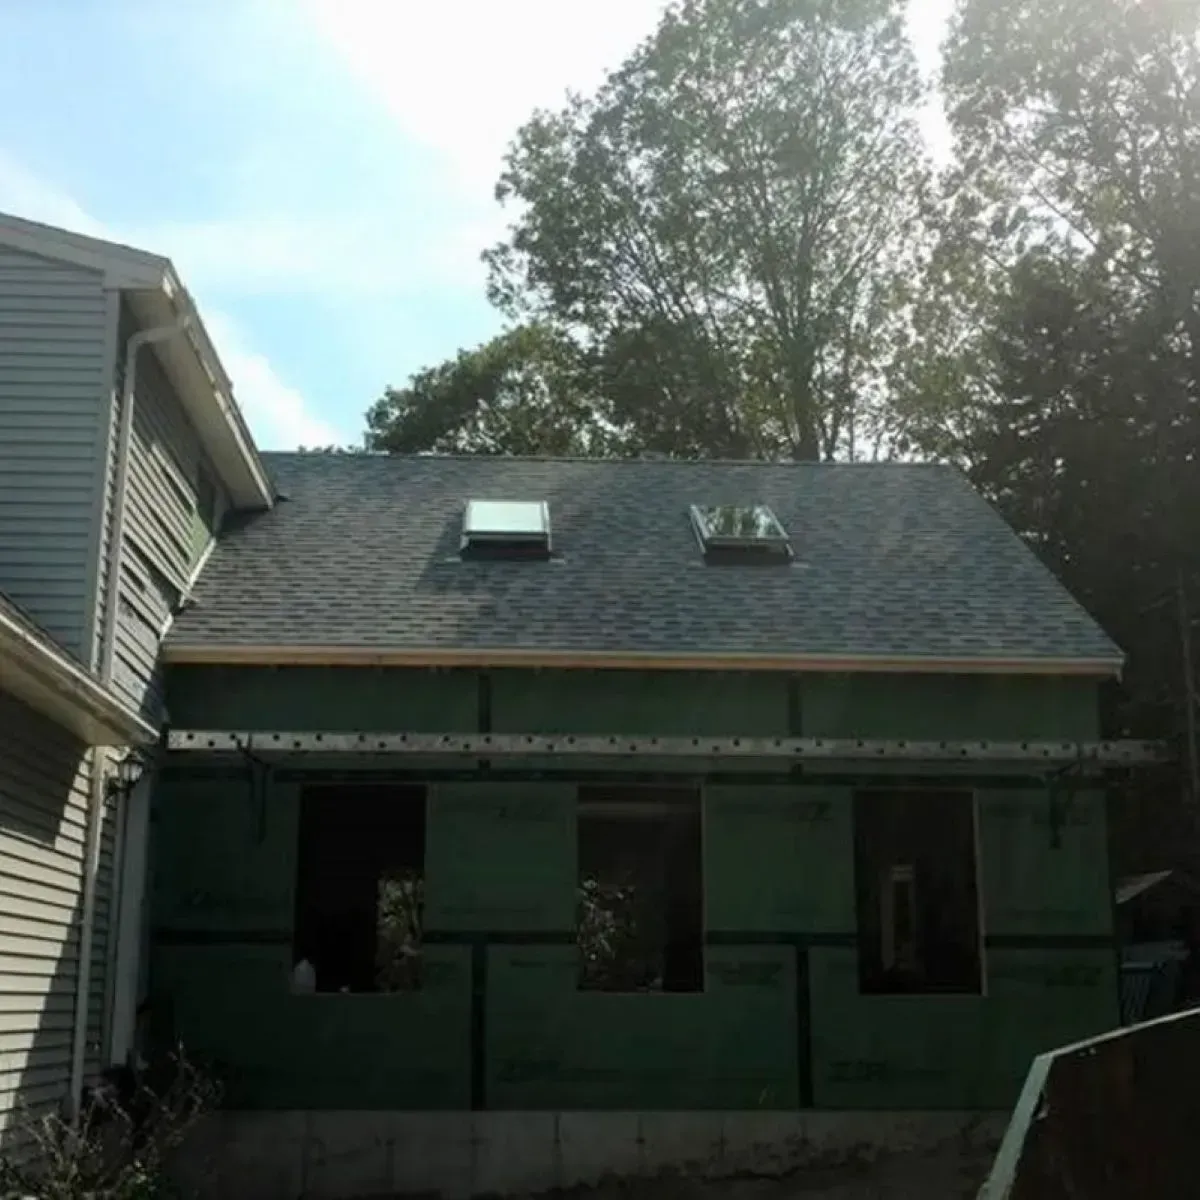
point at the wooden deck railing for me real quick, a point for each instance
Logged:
(1113, 1118)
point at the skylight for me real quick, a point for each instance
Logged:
(740, 533)
(504, 528)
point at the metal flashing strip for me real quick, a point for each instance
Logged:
(791, 749)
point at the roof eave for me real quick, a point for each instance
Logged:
(158, 297)
(208, 653)
(52, 684)
(205, 390)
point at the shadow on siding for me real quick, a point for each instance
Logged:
(44, 793)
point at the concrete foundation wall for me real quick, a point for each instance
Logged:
(336, 1155)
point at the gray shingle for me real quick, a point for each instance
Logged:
(891, 560)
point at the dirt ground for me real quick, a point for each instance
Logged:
(954, 1171)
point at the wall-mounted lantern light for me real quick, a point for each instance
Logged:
(127, 773)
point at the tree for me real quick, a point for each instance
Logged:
(1083, 112)
(1054, 348)
(1077, 449)
(724, 222)
(1077, 126)
(528, 391)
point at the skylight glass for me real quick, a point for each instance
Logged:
(507, 524)
(740, 530)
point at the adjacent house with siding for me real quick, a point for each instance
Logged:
(120, 447)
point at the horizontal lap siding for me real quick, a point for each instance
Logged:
(44, 797)
(53, 382)
(161, 520)
(55, 404)
(59, 410)
(160, 552)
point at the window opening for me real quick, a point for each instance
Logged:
(640, 914)
(740, 533)
(917, 892)
(360, 887)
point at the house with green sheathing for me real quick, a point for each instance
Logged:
(492, 824)
(515, 790)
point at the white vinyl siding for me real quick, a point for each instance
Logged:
(54, 381)
(164, 538)
(45, 775)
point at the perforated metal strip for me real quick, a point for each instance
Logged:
(496, 745)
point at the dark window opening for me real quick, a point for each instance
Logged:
(640, 924)
(360, 887)
(917, 892)
(740, 533)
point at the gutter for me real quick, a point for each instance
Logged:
(32, 657)
(108, 654)
(222, 385)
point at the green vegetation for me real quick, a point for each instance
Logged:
(120, 1146)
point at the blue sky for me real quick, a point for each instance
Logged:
(320, 171)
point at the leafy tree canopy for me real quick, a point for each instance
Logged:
(1054, 345)
(528, 391)
(720, 232)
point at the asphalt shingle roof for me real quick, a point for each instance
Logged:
(891, 560)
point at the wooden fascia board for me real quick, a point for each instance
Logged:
(348, 656)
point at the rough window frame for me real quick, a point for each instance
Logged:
(606, 966)
(947, 954)
(385, 845)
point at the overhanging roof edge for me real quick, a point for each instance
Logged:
(266, 654)
(46, 671)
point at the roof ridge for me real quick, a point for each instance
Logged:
(16, 223)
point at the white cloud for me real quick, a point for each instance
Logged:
(26, 194)
(461, 76)
(321, 253)
(278, 414)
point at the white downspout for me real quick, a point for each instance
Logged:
(107, 661)
(125, 960)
